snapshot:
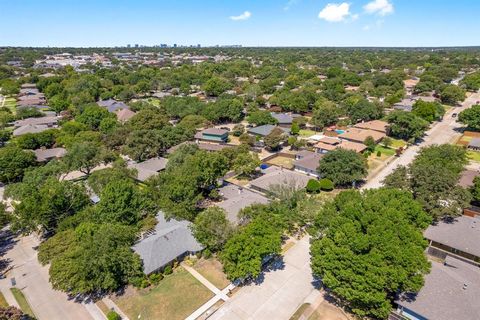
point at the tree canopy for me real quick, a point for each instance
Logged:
(343, 167)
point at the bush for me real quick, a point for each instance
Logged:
(155, 278)
(168, 270)
(379, 153)
(207, 253)
(112, 315)
(326, 185)
(313, 186)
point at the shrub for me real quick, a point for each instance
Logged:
(207, 253)
(326, 185)
(155, 278)
(313, 186)
(168, 270)
(112, 315)
(379, 153)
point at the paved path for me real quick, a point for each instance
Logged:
(219, 294)
(279, 295)
(442, 132)
(32, 279)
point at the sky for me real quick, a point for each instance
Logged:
(316, 23)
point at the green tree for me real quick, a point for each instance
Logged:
(93, 115)
(325, 114)
(243, 254)
(451, 94)
(212, 228)
(215, 86)
(405, 125)
(274, 139)
(313, 186)
(13, 163)
(245, 164)
(295, 129)
(368, 247)
(475, 190)
(84, 156)
(471, 117)
(429, 111)
(238, 130)
(260, 118)
(370, 143)
(343, 167)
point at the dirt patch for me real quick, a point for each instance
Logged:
(328, 311)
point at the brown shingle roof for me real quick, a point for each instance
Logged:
(376, 125)
(359, 135)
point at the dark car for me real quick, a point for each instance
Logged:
(454, 115)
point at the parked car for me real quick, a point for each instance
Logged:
(454, 115)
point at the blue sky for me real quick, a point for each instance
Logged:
(246, 22)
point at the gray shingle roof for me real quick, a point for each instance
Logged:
(462, 234)
(29, 128)
(475, 142)
(112, 105)
(309, 160)
(149, 168)
(443, 296)
(280, 177)
(237, 198)
(36, 121)
(46, 154)
(264, 130)
(171, 239)
(284, 118)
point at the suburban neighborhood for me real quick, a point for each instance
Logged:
(280, 180)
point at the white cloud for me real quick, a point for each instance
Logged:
(335, 12)
(380, 7)
(244, 16)
(366, 28)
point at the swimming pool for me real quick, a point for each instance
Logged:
(339, 131)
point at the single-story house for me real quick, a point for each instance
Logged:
(327, 144)
(123, 115)
(168, 241)
(46, 121)
(460, 237)
(28, 101)
(29, 128)
(28, 86)
(359, 135)
(237, 198)
(44, 155)
(276, 176)
(375, 125)
(307, 162)
(474, 144)
(451, 291)
(112, 105)
(212, 135)
(284, 120)
(265, 130)
(148, 168)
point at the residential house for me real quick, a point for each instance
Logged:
(375, 125)
(327, 144)
(404, 105)
(112, 105)
(284, 120)
(237, 198)
(452, 287)
(29, 128)
(307, 162)
(28, 86)
(212, 135)
(170, 240)
(265, 130)
(276, 176)
(49, 122)
(359, 135)
(45, 155)
(148, 168)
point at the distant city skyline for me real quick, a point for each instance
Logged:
(309, 23)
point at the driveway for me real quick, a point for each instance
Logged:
(279, 295)
(442, 132)
(32, 279)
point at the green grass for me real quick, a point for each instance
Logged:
(397, 143)
(473, 156)
(306, 133)
(383, 150)
(22, 301)
(3, 301)
(175, 297)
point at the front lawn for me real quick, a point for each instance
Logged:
(175, 297)
(397, 143)
(473, 156)
(306, 133)
(384, 151)
(212, 270)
